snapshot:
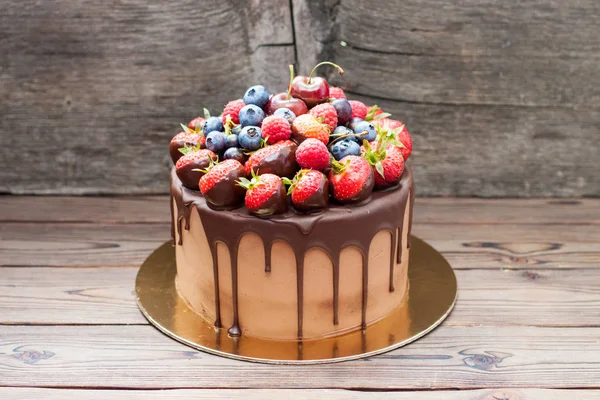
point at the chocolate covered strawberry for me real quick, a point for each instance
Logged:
(219, 184)
(187, 138)
(196, 124)
(265, 195)
(351, 179)
(313, 90)
(387, 161)
(309, 190)
(396, 132)
(327, 114)
(190, 167)
(278, 159)
(307, 126)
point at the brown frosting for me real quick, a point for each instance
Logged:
(332, 230)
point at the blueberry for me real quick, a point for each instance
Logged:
(250, 137)
(343, 109)
(344, 148)
(343, 131)
(236, 129)
(231, 141)
(285, 113)
(353, 121)
(215, 141)
(251, 115)
(369, 128)
(257, 95)
(233, 153)
(212, 124)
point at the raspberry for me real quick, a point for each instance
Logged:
(359, 110)
(327, 113)
(233, 108)
(275, 129)
(336, 93)
(313, 154)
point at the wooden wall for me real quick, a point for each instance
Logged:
(502, 97)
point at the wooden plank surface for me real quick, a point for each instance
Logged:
(142, 357)
(307, 394)
(487, 297)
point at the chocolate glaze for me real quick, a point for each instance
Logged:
(227, 193)
(318, 200)
(281, 163)
(276, 204)
(331, 230)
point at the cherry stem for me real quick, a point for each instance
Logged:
(340, 70)
(289, 92)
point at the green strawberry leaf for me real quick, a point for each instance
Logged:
(206, 113)
(379, 168)
(186, 129)
(381, 116)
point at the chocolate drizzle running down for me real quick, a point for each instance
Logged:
(331, 230)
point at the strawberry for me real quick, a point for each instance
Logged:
(398, 131)
(265, 195)
(275, 129)
(325, 113)
(388, 163)
(196, 124)
(278, 159)
(309, 190)
(232, 109)
(359, 110)
(187, 138)
(351, 179)
(313, 154)
(219, 184)
(375, 113)
(336, 93)
(307, 126)
(189, 167)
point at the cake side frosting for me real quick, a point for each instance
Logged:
(339, 238)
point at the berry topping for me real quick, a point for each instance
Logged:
(215, 141)
(251, 115)
(212, 124)
(189, 168)
(257, 95)
(325, 113)
(313, 154)
(285, 100)
(312, 90)
(343, 148)
(219, 184)
(275, 129)
(343, 109)
(351, 179)
(233, 153)
(375, 113)
(359, 110)
(183, 139)
(285, 113)
(366, 129)
(389, 165)
(307, 126)
(265, 195)
(231, 140)
(232, 109)
(196, 124)
(336, 93)
(250, 138)
(309, 190)
(397, 131)
(278, 159)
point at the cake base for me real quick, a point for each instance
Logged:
(431, 296)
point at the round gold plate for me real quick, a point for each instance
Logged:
(431, 297)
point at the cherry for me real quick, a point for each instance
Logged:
(285, 100)
(313, 90)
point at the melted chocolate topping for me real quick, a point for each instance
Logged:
(331, 230)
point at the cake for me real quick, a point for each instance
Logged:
(291, 213)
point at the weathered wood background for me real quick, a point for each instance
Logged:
(502, 98)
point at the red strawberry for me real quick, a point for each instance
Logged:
(196, 124)
(185, 139)
(325, 113)
(265, 195)
(309, 190)
(233, 109)
(336, 93)
(359, 110)
(388, 164)
(398, 130)
(189, 167)
(306, 126)
(313, 154)
(375, 113)
(351, 179)
(219, 185)
(278, 159)
(275, 129)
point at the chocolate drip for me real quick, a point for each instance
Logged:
(410, 216)
(172, 219)
(393, 256)
(331, 230)
(179, 220)
(336, 290)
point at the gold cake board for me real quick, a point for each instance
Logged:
(431, 297)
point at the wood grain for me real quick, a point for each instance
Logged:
(151, 209)
(141, 357)
(487, 297)
(305, 394)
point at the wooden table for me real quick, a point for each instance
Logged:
(527, 321)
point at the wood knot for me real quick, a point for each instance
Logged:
(532, 275)
(500, 396)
